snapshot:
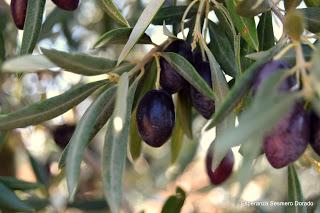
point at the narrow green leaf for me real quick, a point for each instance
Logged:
(240, 88)
(32, 26)
(312, 18)
(222, 49)
(39, 170)
(265, 31)
(188, 72)
(82, 136)
(48, 109)
(176, 141)
(175, 202)
(312, 3)
(115, 145)
(172, 14)
(184, 112)
(119, 36)
(15, 184)
(79, 63)
(2, 138)
(143, 22)
(27, 64)
(135, 142)
(9, 201)
(246, 26)
(294, 192)
(111, 9)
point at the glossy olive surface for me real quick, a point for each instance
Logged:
(155, 117)
(18, 12)
(223, 171)
(170, 80)
(289, 138)
(67, 4)
(315, 132)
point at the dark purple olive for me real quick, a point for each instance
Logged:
(287, 141)
(18, 12)
(155, 117)
(268, 69)
(315, 132)
(223, 171)
(170, 80)
(67, 4)
(62, 134)
(204, 105)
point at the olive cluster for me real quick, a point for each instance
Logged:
(19, 9)
(289, 138)
(156, 114)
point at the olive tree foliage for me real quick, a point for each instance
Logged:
(237, 43)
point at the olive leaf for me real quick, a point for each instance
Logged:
(252, 8)
(135, 142)
(246, 26)
(10, 201)
(119, 36)
(312, 18)
(39, 169)
(82, 136)
(32, 26)
(143, 22)
(79, 63)
(15, 184)
(294, 191)
(111, 9)
(188, 72)
(184, 112)
(175, 202)
(48, 109)
(312, 3)
(115, 145)
(27, 64)
(265, 31)
(172, 14)
(2, 49)
(176, 140)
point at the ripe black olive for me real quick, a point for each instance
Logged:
(223, 171)
(155, 117)
(62, 134)
(18, 12)
(289, 138)
(170, 80)
(67, 4)
(204, 105)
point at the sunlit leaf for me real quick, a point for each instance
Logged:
(111, 9)
(135, 142)
(176, 142)
(82, 136)
(175, 202)
(143, 22)
(116, 141)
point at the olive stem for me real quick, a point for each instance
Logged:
(158, 71)
(197, 27)
(283, 52)
(185, 16)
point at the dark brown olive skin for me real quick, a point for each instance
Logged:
(170, 80)
(315, 132)
(268, 69)
(62, 134)
(223, 171)
(289, 138)
(204, 105)
(18, 12)
(155, 117)
(67, 4)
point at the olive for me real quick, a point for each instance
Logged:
(289, 138)
(170, 79)
(62, 134)
(204, 105)
(18, 12)
(315, 132)
(223, 171)
(268, 69)
(67, 4)
(155, 117)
